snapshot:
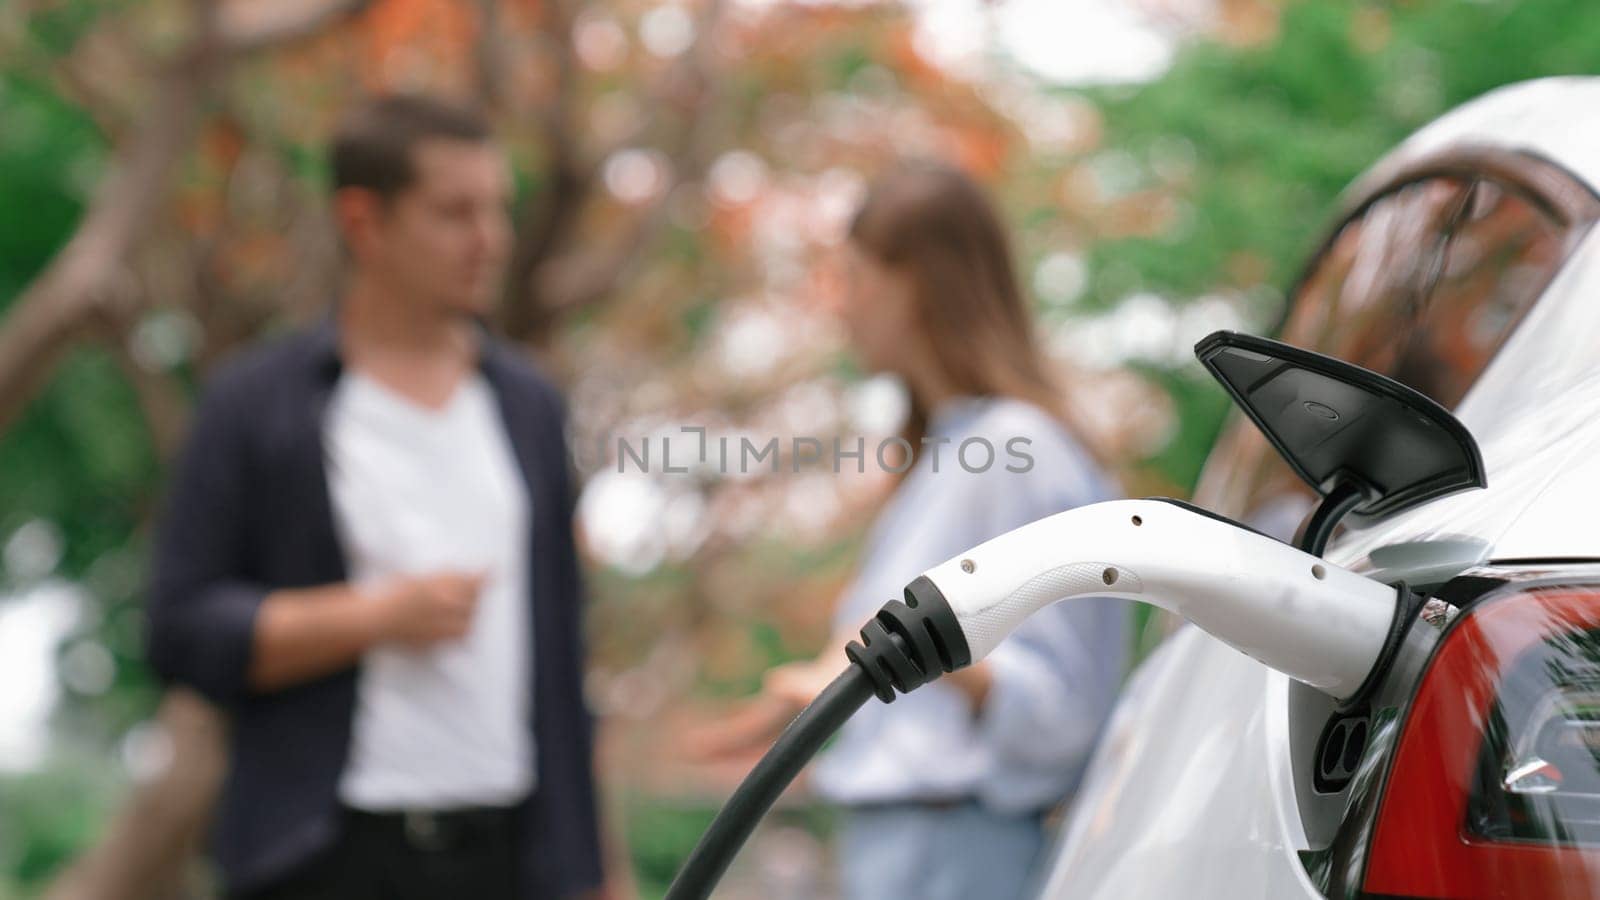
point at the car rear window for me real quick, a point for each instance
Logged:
(1423, 282)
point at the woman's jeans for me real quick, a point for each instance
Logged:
(957, 852)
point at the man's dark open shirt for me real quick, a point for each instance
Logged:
(248, 513)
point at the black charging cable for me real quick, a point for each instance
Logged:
(906, 645)
(756, 794)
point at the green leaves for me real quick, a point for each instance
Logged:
(1272, 134)
(49, 154)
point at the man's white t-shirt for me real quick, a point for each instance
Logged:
(418, 491)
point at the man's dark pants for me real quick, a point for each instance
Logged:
(410, 856)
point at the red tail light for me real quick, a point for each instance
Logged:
(1495, 786)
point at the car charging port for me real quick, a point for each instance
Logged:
(1406, 604)
(1339, 750)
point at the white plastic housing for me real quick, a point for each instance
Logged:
(1305, 617)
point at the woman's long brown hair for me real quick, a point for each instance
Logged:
(934, 223)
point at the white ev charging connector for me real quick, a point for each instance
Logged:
(1290, 610)
(1313, 621)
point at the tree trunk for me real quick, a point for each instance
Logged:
(148, 851)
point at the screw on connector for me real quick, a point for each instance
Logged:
(968, 566)
(1109, 576)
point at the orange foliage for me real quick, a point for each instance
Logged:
(222, 142)
(406, 40)
(917, 69)
(981, 151)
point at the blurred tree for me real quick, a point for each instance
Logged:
(639, 134)
(1217, 179)
(683, 167)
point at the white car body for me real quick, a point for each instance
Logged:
(1199, 788)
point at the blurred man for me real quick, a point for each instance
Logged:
(367, 557)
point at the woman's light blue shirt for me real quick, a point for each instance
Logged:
(1055, 678)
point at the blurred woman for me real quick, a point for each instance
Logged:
(945, 790)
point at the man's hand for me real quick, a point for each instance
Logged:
(306, 633)
(421, 610)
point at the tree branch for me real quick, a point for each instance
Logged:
(160, 397)
(544, 286)
(143, 852)
(542, 225)
(51, 312)
(241, 32)
(489, 56)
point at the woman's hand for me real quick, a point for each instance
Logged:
(785, 691)
(974, 683)
(796, 684)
